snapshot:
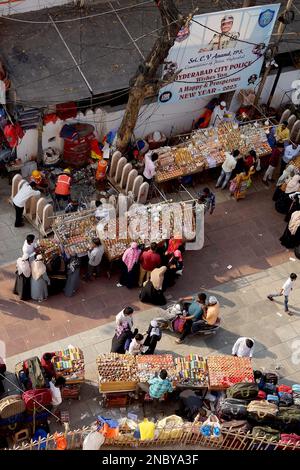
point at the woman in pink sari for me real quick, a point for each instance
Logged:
(130, 267)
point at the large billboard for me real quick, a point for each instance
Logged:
(218, 52)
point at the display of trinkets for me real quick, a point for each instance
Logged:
(48, 248)
(192, 370)
(69, 363)
(225, 371)
(76, 231)
(115, 367)
(149, 365)
(206, 149)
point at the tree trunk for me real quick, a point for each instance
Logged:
(172, 22)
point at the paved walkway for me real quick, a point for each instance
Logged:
(244, 310)
(242, 234)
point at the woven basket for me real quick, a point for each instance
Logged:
(11, 405)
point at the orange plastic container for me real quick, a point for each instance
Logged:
(101, 170)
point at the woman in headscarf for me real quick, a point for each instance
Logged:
(73, 277)
(151, 292)
(174, 269)
(284, 202)
(39, 279)
(130, 266)
(123, 333)
(291, 235)
(23, 273)
(153, 336)
(286, 176)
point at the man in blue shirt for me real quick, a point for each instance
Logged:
(158, 386)
(195, 312)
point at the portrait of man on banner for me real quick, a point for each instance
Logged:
(226, 39)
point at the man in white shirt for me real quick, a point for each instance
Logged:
(149, 170)
(136, 345)
(243, 347)
(290, 152)
(55, 389)
(29, 247)
(227, 167)
(26, 192)
(95, 257)
(286, 290)
(218, 114)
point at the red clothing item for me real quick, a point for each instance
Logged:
(150, 260)
(48, 366)
(275, 157)
(249, 161)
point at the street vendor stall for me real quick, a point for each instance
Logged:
(117, 375)
(145, 224)
(225, 371)
(205, 148)
(69, 363)
(75, 231)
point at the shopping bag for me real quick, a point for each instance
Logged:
(211, 427)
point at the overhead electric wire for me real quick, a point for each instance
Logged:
(69, 20)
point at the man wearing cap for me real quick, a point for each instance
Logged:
(218, 114)
(63, 185)
(226, 39)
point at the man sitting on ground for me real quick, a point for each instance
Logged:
(158, 386)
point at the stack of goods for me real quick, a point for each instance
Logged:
(76, 232)
(83, 175)
(254, 137)
(148, 365)
(69, 363)
(48, 249)
(117, 372)
(192, 370)
(166, 167)
(225, 371)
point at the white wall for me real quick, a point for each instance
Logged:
(13, 7)
(171, 119)
(279, 98)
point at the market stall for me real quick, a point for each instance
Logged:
(75, 231)
(192, 372)
(122, 373)
(154, 222)
(205, 148)
(225, 371)
(69, 363)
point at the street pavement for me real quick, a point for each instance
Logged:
(244, 235)
(241, 234)
(245, 311)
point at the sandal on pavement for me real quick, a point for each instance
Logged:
(179, 341)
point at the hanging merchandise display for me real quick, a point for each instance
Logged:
(77, 144)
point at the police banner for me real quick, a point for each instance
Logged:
(218, 52)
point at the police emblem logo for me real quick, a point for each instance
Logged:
(266, 17)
